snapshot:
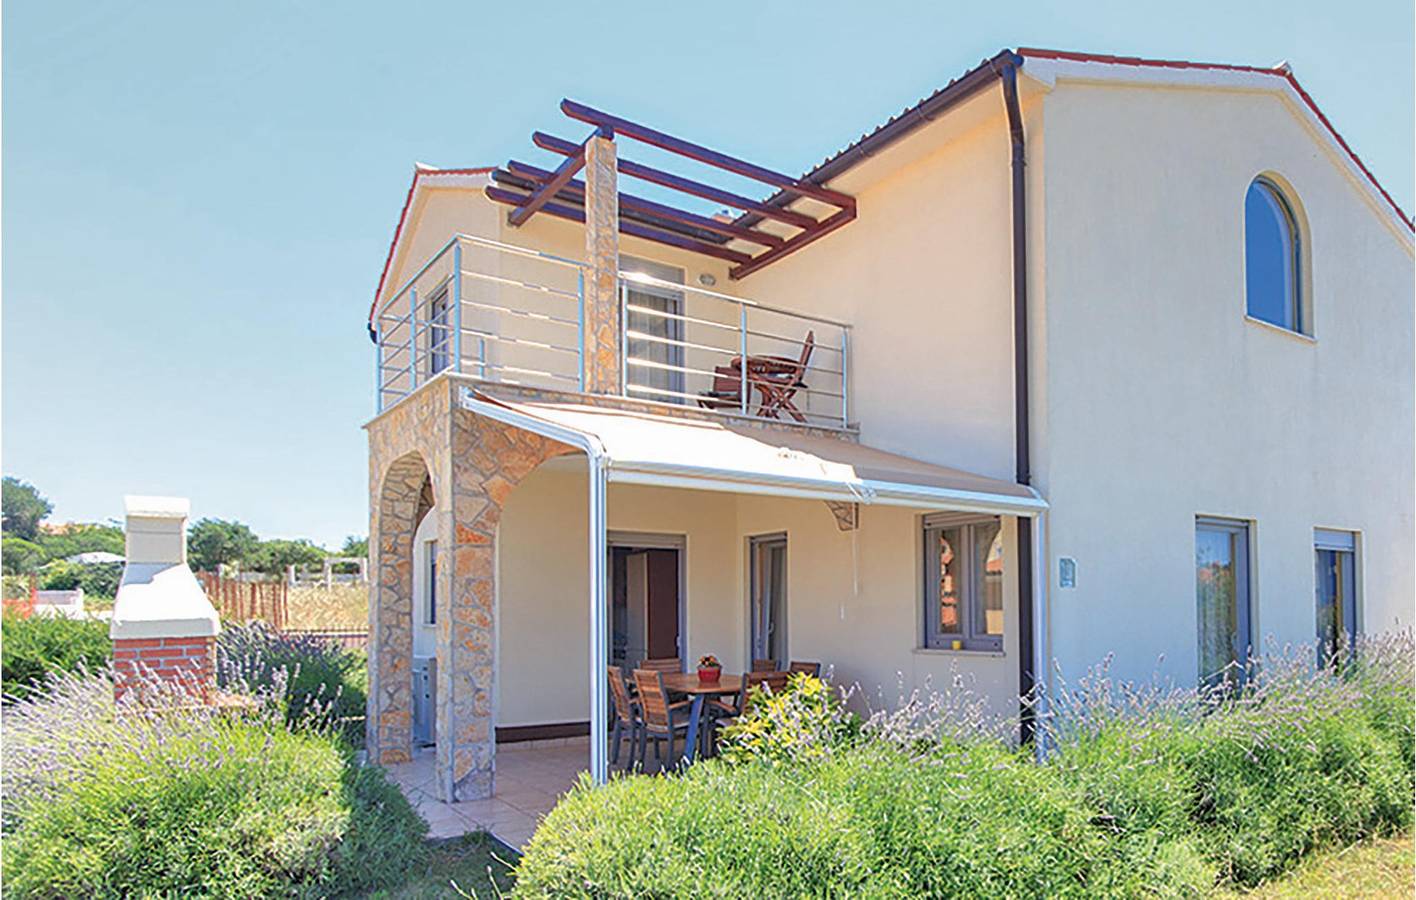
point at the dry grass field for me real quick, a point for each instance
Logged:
(340, 607)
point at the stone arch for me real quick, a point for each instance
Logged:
(488, 460)
(401, 502)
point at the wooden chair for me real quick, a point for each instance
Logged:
(626, 716)
(809, 668)
(780, 379)
(669, 664)
(764, 665)
(661, 719)
(727, 389)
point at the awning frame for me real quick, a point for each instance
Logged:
(603, 469)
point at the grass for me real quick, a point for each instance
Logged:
(1378, 868)
(340, 607)
(476, 865)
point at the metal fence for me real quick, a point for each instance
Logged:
(516, 316)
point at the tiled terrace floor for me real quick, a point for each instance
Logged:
(530, 779)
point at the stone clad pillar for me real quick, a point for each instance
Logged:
(602, 372)
(163, 626)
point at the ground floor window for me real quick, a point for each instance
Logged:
(1222, 594)
(963, 582)
(1335, 556)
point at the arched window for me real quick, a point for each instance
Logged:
(1272, 257)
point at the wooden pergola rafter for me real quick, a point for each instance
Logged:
(530, 189)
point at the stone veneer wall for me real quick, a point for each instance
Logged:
(473, 465)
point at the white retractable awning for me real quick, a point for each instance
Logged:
(700, 454)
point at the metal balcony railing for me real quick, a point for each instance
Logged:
(480, 307)
(687, 345)
(511, 315)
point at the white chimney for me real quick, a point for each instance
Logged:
(159, 597)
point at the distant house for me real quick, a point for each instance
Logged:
(94, 558)
(1079, 355)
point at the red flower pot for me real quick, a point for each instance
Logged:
(709, 676)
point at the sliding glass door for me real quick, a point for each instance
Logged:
(768, 571)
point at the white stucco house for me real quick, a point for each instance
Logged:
(1080, 355)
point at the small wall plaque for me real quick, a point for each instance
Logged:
(1066, 572)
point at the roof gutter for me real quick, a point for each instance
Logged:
(907, 123)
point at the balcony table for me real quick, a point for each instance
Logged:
(688, 683)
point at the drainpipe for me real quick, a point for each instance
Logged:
(1029, 668)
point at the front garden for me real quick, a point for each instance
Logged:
(1143, 792)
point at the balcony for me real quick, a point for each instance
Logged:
(510, 315)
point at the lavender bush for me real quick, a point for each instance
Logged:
(319, 681)
(170, 798)
(1142, 790)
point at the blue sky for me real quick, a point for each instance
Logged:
(198, 197)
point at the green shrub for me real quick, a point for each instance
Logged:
(323, 681)
(801, 722)
(1143, 793)
(33, 648)
(181, 802)
(98, 580)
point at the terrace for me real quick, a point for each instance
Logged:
(504, 312)
(510, 315)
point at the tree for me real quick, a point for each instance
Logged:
(273, 556)
(22, 508)
(82, 538)
(212, 543)
(19, 556)
(355, 546)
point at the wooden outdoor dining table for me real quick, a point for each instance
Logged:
(688, 683)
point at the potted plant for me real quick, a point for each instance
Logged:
(709, 669)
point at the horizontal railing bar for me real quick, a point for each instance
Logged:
(526, 342)
(679, 317)
(480, 242)
(640, 278)
(690, 345)
(641, 363)
(519, 312)
(520, 251)
(709, 348)
(502, 368)
(516, 282)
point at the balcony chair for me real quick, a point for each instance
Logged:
(778, 379)
(662, 720)
(809, 668)
(669, 664)
(764, 665)
(727, 389)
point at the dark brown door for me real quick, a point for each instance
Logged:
(663, 604)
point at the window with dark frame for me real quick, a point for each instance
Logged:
(964, 567)
(1335, 560)
(439, 335)
(430, 616)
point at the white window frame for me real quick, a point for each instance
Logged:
(972, 635)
